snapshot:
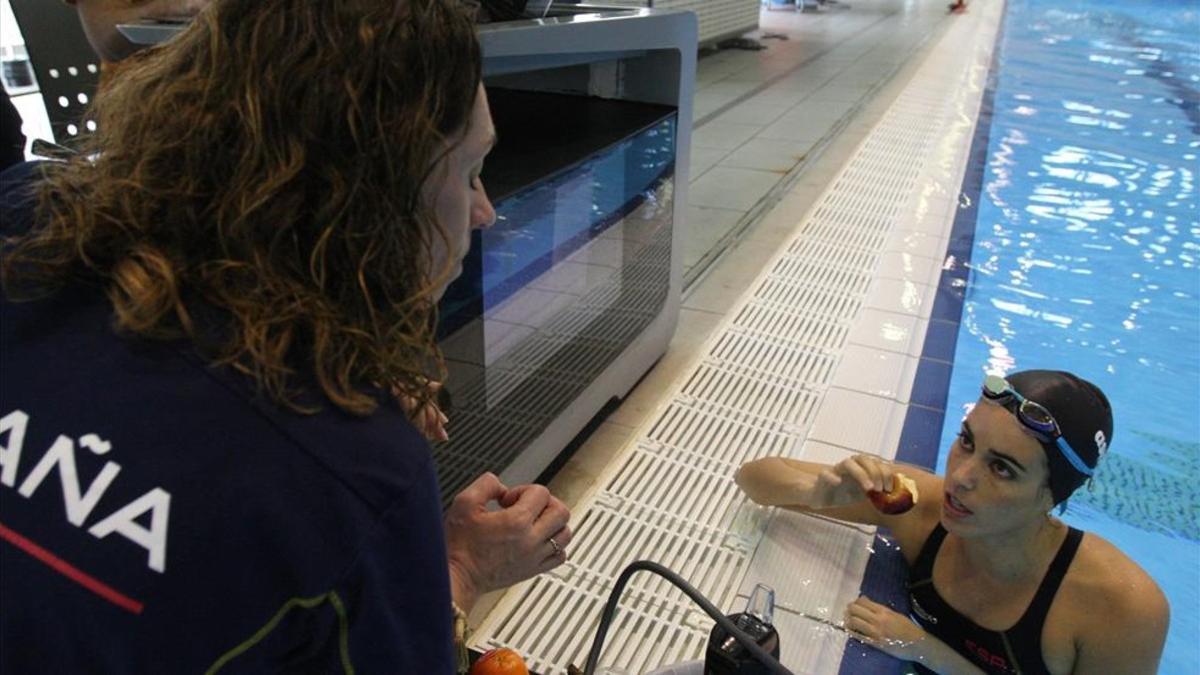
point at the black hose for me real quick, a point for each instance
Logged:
(610, 609)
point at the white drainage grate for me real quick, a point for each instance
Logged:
(755, 391)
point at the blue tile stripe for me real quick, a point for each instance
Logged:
(886, 573)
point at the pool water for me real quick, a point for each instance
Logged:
(1085, 258)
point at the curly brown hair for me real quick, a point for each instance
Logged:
(266, 168)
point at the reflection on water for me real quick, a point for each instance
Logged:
(1085, 259)
(1087, 241)
(883, 543)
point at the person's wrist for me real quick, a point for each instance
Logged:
(923, 649)
(804, 495)
(806, 490)
(463, 590)
(934, 654)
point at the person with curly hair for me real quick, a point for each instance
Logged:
(218, 356)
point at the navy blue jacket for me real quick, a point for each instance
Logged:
(157, 516)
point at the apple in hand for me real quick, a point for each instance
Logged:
(901, 498)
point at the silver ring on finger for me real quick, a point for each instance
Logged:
(554, 545)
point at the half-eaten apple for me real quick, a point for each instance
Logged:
(901, 498)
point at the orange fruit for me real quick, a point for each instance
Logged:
(500, 661)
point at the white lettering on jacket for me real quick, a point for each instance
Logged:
(78, 503)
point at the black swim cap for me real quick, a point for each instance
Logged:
(1082, 412)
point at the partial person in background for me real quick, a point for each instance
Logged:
(217, 322)
(996, 584)
(12, 140)
(100, 19)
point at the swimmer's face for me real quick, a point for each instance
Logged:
(996, 475)
(459, 199)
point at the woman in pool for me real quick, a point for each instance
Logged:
(996, 584)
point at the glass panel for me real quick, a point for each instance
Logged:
(576, 267)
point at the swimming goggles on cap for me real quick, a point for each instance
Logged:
(1036, 418)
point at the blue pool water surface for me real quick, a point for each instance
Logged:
(1085, 258)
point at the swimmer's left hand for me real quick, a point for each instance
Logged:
(886, 630)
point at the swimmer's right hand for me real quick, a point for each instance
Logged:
(849, 481)
(782, 481)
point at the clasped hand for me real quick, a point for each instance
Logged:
(845, 482)
(492, 549)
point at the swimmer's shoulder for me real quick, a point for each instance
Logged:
(1104, 573)
(1116, 611)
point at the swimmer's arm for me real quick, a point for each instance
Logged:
(943, 660)
(779, 481)
(796, 485)
(1128, 633)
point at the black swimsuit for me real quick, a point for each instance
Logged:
(1016, 651)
